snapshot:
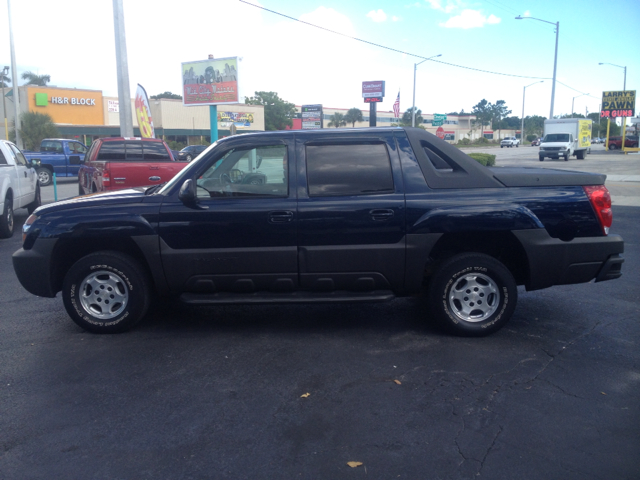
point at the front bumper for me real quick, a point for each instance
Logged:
(33, 267)
(556, 262)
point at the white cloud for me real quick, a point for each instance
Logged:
(470, 19)
(447, 6)
(527, 14)
(377, 16)
(395, 19)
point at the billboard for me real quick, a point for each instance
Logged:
(143, 113)
(210, 82)
(618, 104)
(584, 133)
(237, 119)
(373, 89)
(311, 117)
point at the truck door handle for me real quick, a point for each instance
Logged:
(381, 214)
(281, 216)
(155, 178)
(25, 174)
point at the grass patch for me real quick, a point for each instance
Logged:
(485, 159)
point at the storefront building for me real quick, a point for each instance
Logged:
(86, 115)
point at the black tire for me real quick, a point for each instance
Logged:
(501, 146)
(517, 145)
(36, 201)
(580, 155)
(6, 221)
(612, 147)
(471, 280)
(541, 158)
(566, 157)
(80, 189)
(45, 177)
(106, 278)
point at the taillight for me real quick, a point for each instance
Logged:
(601, 202)
(106, 178)
(27, 225)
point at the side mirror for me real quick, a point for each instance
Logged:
(74, 159)
(188, 195)
(35, 162)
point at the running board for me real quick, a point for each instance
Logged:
(293, 297)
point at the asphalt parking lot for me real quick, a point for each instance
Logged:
(252, 392)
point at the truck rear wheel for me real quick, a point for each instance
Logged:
(106, 292)
(45, 177)
(580, 154)
(472, 295)
(6, 222)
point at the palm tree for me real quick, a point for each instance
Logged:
(353, 115)
(35, 79)
(337, 120)
(4, 80)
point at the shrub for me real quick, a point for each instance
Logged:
(485, 159)
(531, 138)
(173, 145)
(464, 141)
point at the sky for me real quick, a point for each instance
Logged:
(73, 42)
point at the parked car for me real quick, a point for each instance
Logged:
(55, 155)
(536, 142)
(18, 185)
(192, 151)
(630, 141)
(117, 163)
(290, 217)
(509, 142)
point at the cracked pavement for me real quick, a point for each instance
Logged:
(216, 392)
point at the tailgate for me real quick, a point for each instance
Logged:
(138, 174)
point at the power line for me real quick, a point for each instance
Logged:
(403, 52)
(388, 48)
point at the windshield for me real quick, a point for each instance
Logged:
(556, 137)
(185, 173)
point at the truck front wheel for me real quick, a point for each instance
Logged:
(472, 295)
(106, 292)
(541, 158)
(45, 177)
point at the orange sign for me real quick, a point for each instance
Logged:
(68, 106)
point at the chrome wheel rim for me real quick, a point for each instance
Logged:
(474, 297)
(9, 216)
(104, 295)
(44, 176)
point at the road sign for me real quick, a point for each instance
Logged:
(440, 133)
(437, 123)
(372, 99)
(439, 117)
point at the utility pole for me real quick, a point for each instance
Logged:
(14, 79)
(124, 91)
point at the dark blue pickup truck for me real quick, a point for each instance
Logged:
(57, 155)
(347, 215)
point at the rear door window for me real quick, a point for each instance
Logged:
(351, 169)
(51, 146)
(134, 151)
(111, 151)
(155, 151)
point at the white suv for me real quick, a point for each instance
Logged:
(509, 142)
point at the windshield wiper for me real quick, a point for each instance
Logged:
(150, 190)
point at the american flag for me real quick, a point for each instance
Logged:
(396, 107)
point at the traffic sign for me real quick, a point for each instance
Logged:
(440, 133)
(437, 123)
(439, 117)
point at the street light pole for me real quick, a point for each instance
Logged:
(555, 59)
(14, 78)
(522, 124)
(5, 71)
(572, 100)
(625, 72)
(413, 108)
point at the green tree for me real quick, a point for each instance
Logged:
(354, 115)
(406, 117)
(36, 127)
(337, 120)
(35, 79)
(5, 80)
(484, 113)
(534, 125)
(500, 111)
(173, 96)
(278, 113)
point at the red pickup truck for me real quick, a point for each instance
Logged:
(117, 163)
